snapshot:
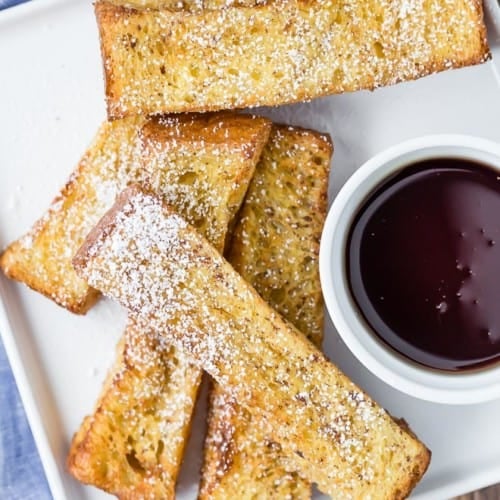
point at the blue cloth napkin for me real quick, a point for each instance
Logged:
(9, 3)
(21, 473)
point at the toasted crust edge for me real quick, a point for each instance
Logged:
(423, 460)
(80, 307)
(8, 260)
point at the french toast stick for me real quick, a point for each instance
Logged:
(168, 153)
(42, 257)
(132, 444)
(192, 58)
(172, 281)
(275, 247)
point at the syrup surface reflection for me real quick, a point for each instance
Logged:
(423, 261)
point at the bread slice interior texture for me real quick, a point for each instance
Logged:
(199, 57)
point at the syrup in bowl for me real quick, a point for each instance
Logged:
(423, 263)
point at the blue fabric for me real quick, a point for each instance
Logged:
(21, 473)
(10, 3)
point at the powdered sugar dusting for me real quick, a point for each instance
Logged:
(153, 387)
(205, 182)
(201, 304)
(143, 413)
(237, 56)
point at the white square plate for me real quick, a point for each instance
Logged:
(51, 103)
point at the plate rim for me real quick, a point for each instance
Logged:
(30, 405)
(486, 477)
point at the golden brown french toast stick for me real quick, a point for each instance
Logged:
(132, 444)
(173, 281)
(174, 155)
(281, 51)
(275, 247)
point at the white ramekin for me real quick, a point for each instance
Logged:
(492, 8)
(464, 387)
